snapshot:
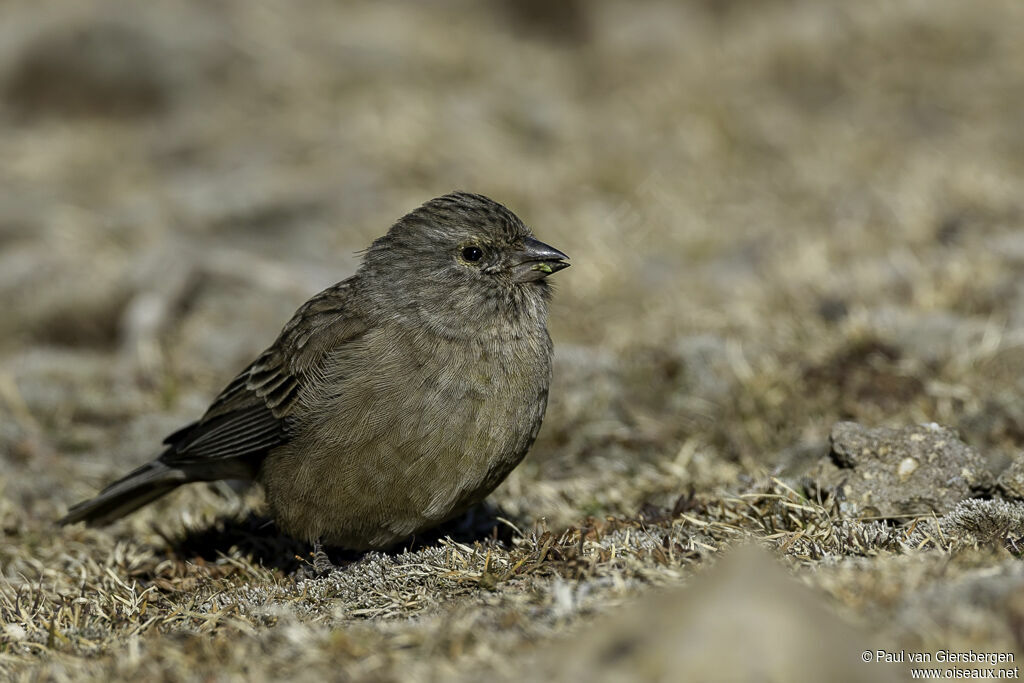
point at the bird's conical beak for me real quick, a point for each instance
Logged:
(537, 260)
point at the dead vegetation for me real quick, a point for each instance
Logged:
(781, 216)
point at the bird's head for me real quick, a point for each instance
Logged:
(463, 260)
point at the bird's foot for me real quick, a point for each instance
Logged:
(321, 563)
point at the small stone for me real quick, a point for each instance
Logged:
(907, 467)
(883, 472)
(1011, 481)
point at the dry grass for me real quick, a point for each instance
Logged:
(780, 215)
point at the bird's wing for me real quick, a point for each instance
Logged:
(252, 414)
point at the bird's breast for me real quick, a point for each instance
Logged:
(402, 432)
(430, 398)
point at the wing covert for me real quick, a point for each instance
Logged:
(253, 412)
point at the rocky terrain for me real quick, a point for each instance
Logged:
(787, 416)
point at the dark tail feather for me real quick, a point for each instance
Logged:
(138, 488)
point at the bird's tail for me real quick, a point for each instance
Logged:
(139, 487)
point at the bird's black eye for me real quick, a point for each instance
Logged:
(472, 253)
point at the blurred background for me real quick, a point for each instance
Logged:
(744, 188)
(780, 213)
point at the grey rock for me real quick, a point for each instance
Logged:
(886, 472)
(1011, 481)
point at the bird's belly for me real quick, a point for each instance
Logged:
(414, 459)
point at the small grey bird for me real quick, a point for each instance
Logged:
(390, 402)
